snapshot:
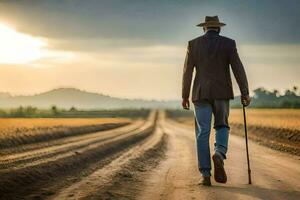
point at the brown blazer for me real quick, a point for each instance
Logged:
(211, 55)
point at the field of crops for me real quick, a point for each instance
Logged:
(15, 131)
(278, 128)
(275, 118)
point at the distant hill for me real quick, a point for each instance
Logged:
(72, 97)
(68, 97)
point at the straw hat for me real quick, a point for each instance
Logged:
(211, 21)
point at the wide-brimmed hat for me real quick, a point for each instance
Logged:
(211, 21)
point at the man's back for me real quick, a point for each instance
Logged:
(211, 55)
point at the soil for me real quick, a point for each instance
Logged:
(149, 159)
(275, 175)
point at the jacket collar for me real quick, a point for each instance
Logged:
(211, 33)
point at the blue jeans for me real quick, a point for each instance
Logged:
(203, 115)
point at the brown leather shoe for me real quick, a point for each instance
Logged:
(220, 174)
(205, 181)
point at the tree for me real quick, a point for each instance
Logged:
(275, 93)
(30, 110)
(295, 89)
(259, 92)
(262, 93)
(19, 112)
(2, 113)
(54, 110)
(73, 109)
(289, 93)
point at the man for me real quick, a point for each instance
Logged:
(211, 55)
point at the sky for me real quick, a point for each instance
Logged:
(136, 48)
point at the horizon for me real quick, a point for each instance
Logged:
(280, 93)
(137, 50)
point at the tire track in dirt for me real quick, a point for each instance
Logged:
(62, 148)
(61, 140)
(122, 178)
(18, 141)
(48, 174)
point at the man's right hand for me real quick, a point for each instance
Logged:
(245, 100)
(185, 104)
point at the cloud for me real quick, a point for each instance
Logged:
(133, 57)
(136, 48)
(156, 21)
(280, 54)
(20, 48)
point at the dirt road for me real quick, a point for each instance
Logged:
(110, 177)
(149, 159)
(275, 175)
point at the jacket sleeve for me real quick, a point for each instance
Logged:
(187, 73)
(238, 70)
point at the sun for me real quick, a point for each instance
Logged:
(19, 48)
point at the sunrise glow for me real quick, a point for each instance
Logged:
(18, 48)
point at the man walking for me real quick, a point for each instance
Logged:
(211, 55)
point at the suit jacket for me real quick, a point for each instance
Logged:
(211, 55)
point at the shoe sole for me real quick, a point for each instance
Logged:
(220, 174)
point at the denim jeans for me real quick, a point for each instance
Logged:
(203, 115)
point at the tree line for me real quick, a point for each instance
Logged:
(264, 98)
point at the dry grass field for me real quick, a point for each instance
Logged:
(15, 131)
(275, 118)
(277, 128)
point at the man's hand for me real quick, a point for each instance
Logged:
(185, 104)
(245, 100)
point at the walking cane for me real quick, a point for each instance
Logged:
(246, 137)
